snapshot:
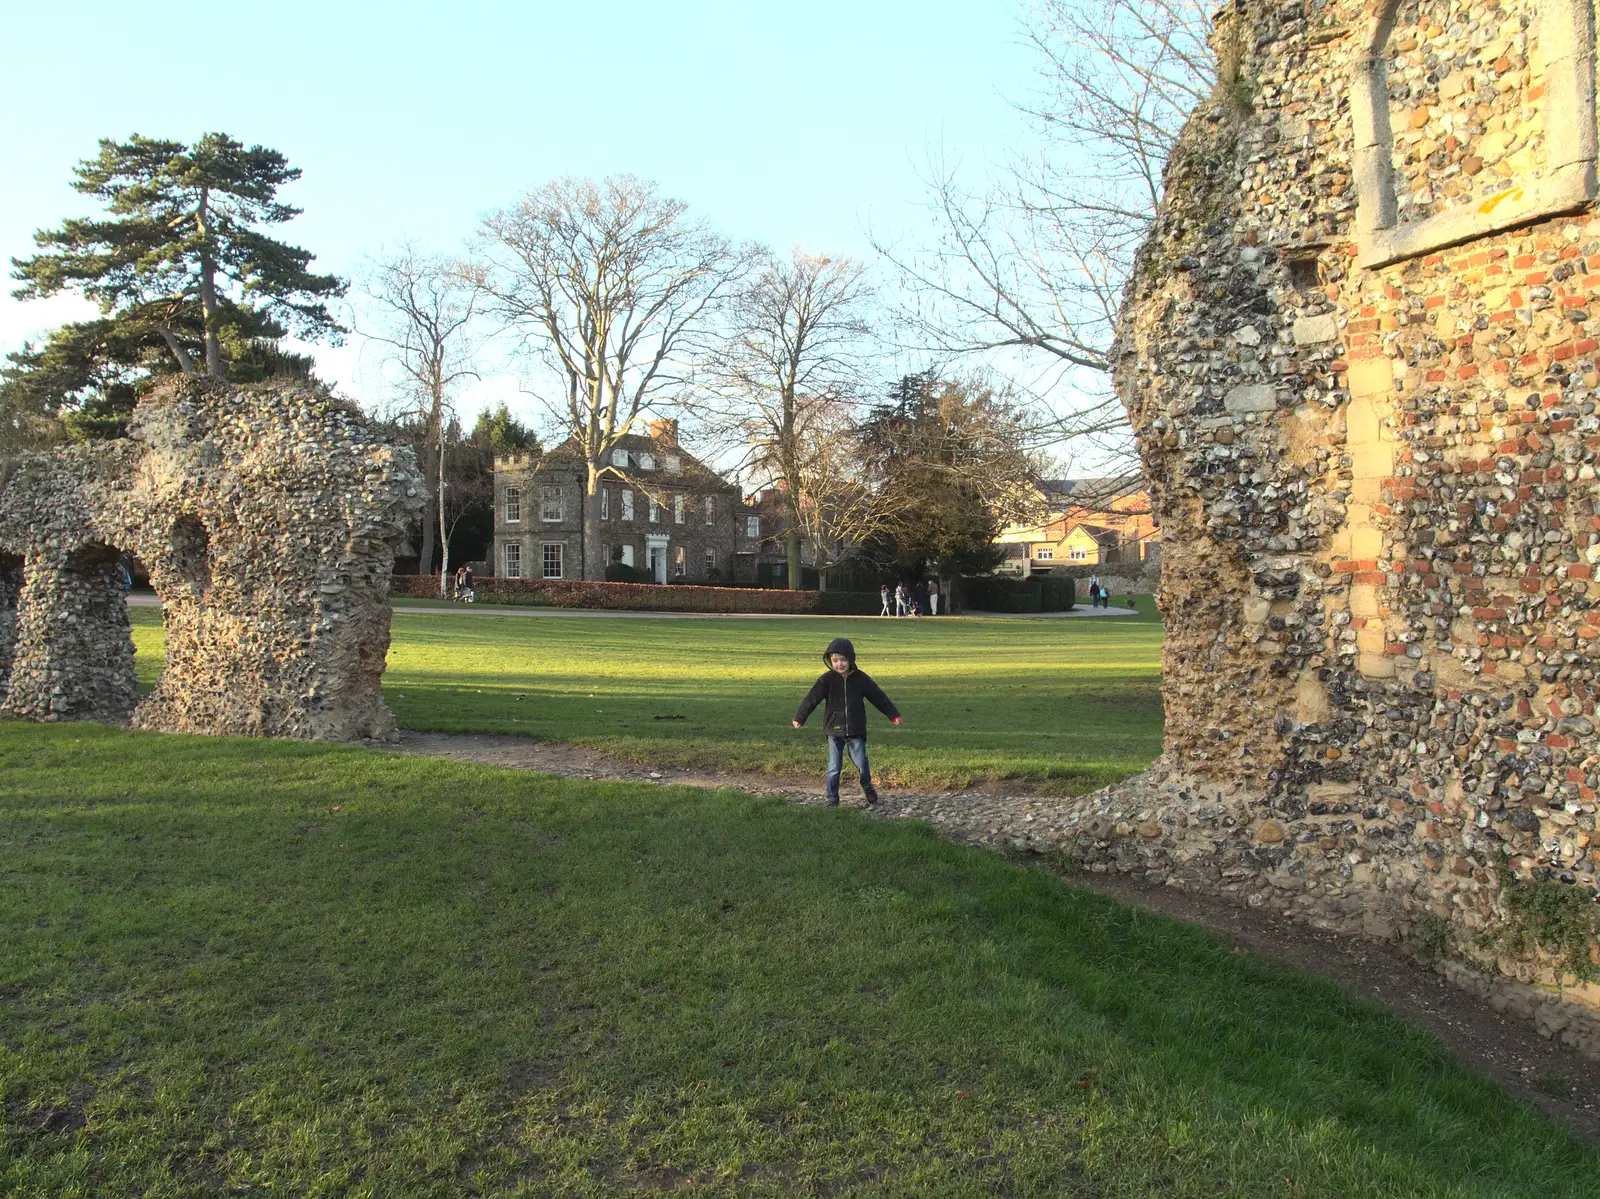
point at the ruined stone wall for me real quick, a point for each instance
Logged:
(266, 517)
(1360, 355)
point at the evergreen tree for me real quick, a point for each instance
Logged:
(950, 466)
(185, 277)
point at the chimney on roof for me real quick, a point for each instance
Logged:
(665, 431)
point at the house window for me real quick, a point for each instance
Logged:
(605, 503)
(625, 555)
(627, 505)
(679, 562)
(513, 505)
(619, 458)
(552, 559)
(647, 462)
(1079, 555)
(513, 560)
(655, 511)
(711, 510)
(674, 464)
(711, 560)
(1043, 555)
(550, 510)
(677, 508)
(605, 552)
(752, 526)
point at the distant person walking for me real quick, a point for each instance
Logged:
(933, 599)
(883, 590)
(901, 598)
(1096, 592)
(464, 584)
(845, 689)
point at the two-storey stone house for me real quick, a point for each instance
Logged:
(662, 510)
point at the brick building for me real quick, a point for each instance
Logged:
(663, 511)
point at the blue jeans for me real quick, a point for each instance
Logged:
(857, 747)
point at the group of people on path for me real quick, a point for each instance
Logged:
(920, 600)
(1099, 597)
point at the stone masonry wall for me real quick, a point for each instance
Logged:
(267, 517)
(1371, 435)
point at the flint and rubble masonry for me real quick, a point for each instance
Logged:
(1376, 483)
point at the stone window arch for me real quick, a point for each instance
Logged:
(1567, 38)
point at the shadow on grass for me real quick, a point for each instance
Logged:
(311, 970)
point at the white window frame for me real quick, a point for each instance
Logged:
(560, 548)
(711, 559)
(512, 500)
(560, 494)
(711, 510)
(1044, 554)
(619, 457)
(627, 556)
(680, 562)
(655, 511)
(677, 509)
(1078, 555)
(605, 503)
(512, 556)
(647, 462)
(627, 503)
(674, 464)
(752, 526)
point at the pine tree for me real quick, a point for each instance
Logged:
(182, 271)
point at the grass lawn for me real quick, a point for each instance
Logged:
(1073, 703)
(269, 968)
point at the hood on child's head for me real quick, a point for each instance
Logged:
(839, 645)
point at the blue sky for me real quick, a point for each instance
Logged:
(788, 124)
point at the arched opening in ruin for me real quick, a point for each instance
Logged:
(190, 544)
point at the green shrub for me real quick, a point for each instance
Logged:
(1560, 919)
(989, 594)
(851, 603)
(1057, 594)
(621, 572)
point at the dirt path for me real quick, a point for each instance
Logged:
(1556, 1080)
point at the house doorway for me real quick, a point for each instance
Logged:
(656, 557)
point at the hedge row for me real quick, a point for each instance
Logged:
(577, 593)
(1037, 594)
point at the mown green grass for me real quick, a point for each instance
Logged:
(467, 981)
(1073, 704)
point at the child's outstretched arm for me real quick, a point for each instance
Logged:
(815, 696)
(881, 701)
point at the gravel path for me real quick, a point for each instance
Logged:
(1555, 1080)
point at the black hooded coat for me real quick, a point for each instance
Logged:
(846, 711)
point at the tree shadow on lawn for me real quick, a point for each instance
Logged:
(311, 964)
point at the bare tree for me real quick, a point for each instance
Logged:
(1029, 269)
(788, 377)
(837, 510)
(610, 283)
(423, 307)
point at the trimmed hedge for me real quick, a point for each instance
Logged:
(852, 603)
(1036, 594)
(576, 593)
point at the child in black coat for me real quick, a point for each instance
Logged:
(845, 688)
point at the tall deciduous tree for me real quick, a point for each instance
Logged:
(949, 466)
(423, 308)
(180, 261)
(788, 378)
(610, 283)
(1030, 267)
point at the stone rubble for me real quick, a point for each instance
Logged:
(267, 517)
